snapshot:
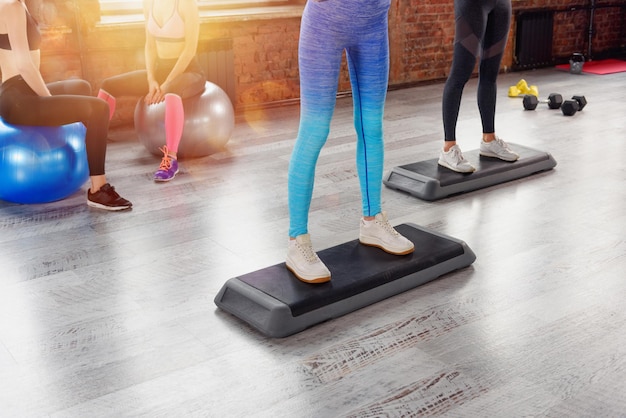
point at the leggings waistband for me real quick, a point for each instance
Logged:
(14, 81)
(166, 65)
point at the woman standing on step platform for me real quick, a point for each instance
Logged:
(482, 28)
(328, 28)
(25, 99)
(172, 73)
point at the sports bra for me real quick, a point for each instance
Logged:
(173, 29)
(32, 33)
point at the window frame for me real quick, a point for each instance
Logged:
(121, 7)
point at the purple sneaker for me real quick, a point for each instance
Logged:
(168, 168)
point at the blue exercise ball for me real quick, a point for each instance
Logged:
(209, 123)
(40, 164)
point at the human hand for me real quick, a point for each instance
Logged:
(155, 95)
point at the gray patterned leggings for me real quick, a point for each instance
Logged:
(482, 28)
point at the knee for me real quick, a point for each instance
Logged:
(173, 98)
(490, 68)
(83, 88)
(100, 108)
(459, 76)
(75, 86)
(487, 77)
(107, 86)
(454, 85)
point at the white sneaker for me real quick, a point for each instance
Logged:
(498, 149)
(304, 262)
(379, 233)
(455, 161)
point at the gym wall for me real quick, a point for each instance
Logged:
(264, 47)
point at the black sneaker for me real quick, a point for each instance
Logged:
(107, 198)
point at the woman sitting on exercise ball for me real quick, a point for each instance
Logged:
(25, 99)
(172, 72)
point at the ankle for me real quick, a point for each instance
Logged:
(489, 137)
(97, 182)
(447, 145)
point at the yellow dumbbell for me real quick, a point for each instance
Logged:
(514, 91)
(522, 88)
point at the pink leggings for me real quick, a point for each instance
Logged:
(135, 84)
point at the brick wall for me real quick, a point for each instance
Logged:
(571, 26)
(266, 60)
(421, 36)
(265, 51)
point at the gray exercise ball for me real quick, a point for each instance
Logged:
(209, 123)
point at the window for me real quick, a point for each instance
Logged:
(118, 7)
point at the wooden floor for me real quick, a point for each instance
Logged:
(112, 314)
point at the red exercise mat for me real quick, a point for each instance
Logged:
(608, 66)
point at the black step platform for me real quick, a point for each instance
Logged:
(273, 301)
(427, 180)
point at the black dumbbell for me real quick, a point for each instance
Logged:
(570, 107)
(555, 100)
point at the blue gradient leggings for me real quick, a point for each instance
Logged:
(328, 28)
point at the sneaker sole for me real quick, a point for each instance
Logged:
(164, 180)
(302, 279)
(492, 155)
(378, 245)
(449, 167)
(109, 208)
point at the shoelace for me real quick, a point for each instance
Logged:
(384, 223)
(307, 251)
(458, 155)
(500, 143)
(387, 227)
(166, 162)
